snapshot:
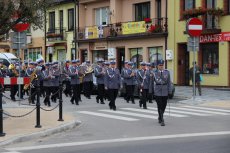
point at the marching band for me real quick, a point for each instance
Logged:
(77, 77)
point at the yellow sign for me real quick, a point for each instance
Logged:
(133, 27)
(91, 32)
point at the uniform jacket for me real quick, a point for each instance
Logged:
(55, 77)
(143, 79)
(88, 77)
(112, 78)
(98, 71)
(128, 79)
(74, 77)
(29, 71)
(162, 83)
(46, 78)
(123, 73)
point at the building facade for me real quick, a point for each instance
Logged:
(60, 31)
(134, 30)
(213, 55)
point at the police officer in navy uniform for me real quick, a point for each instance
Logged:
(47, 84)
(124, 80)
(55, 81)
(143, 79)
(112, 83)
(66, 81)
(130, 79)
(41, 67)
(88, 80)
(99, 72)
(75, 82)
(162, 88)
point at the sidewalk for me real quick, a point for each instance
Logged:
(20, 129)
(210, 96)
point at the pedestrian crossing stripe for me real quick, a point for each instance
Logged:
(136, 113)
(129, 113)
(203, 111)
(183, 112)
(153, 112)
(109, 116)
(211, 109)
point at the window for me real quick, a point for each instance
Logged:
(99, 54)
(189, 4)
(70, 19)
(228, 6)
(211, 23)
(142, 10)
(61, 21)
(102, 16)
(210, 58)
(34, 53)
(155, 54)
(136, 56)
(51, 21)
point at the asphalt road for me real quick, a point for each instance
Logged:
(131, 129)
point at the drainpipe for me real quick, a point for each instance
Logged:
(75, 25)
(45, 35)
(166, 37)
(78, 21)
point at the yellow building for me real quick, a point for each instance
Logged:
(213, 56)
(60, 31)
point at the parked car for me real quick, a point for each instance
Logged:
(8, 58)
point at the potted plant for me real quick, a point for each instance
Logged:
(147, 20)
(215, 11)
(195, 12)
(155, 28)
(118, 24)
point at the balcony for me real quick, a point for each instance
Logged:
(56, 35)
(156, 27)
(211, 24)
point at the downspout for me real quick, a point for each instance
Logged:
(75, 32)
(166, 37)
(45, 35)
(78, 26)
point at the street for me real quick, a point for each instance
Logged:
(189, 128)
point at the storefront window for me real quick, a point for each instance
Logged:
(210, 54)
(155, 54)
(100, 55)
(136, 56)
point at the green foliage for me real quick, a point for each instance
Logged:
(27, 11)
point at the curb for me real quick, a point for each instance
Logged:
(40, 134)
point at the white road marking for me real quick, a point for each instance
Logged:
(72, 144)
(183, 112)
(108, 116)
(131, 114)
(205, 108)
(153, 112)
(11, 152)
(202, 111)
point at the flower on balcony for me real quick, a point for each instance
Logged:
(215, 11)
(147, 20)
(118, 24)
(155, 28)
(195, 12)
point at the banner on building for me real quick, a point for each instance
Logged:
(224, 36)
(133, 27)
(91, 32)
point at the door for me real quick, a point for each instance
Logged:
(183, 65)
(84, 55)
(61, 55)
(120, 58)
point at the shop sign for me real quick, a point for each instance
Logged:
(111, 53)
(133, 27)
(224, 36)
(91, 32)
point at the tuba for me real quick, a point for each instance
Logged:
(13, 69)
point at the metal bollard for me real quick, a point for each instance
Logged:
(60, 102)
(38, 109)
(1, 116)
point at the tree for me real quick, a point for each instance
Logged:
(26, 11)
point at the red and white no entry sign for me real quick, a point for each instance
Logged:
(194, 27)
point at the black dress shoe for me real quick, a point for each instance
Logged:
(159, 120)
(102, 102)
(145, 107)
(97, 100)
(162, 122)
(133, 102)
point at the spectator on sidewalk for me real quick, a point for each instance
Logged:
(197, 77)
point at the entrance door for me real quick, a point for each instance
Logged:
(183, 65)
(84, 55)
(61, 55)
(120, 58)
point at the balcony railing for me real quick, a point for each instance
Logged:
(125, 29)
(211, 24)
(57, 34)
